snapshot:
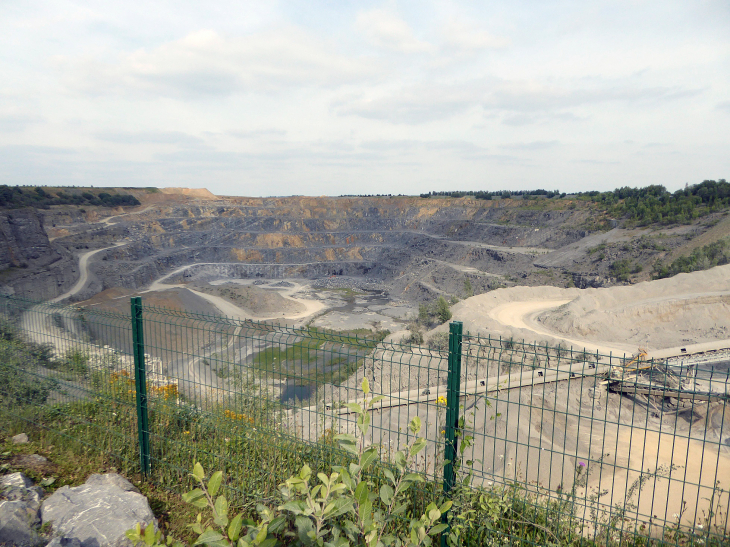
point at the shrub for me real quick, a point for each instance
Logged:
(436, 313)
(342, 509)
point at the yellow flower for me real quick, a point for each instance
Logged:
(441, 400)
(186, 432)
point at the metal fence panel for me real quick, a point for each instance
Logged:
(602, 446)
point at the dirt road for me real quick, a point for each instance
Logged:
(230, 309)
(83, 273)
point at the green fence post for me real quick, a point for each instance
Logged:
(453, 389)
(140, 381)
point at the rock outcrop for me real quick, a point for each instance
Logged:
(23, 241)
(20, 501)
(95, 514)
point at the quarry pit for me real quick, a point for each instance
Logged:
(366, 265)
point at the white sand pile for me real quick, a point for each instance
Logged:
(685, 309)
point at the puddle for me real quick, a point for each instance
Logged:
(296, 392)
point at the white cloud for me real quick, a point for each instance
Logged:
(521, 118)
(279, 98)
(530, 146)
(258, 133)
(460, 36)
(386, 30)
(205, 63)
(150, 137)
(15, 123)
(428, 102)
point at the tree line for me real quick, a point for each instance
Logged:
(652, 204)
(487, 195)
(656, 205)
(14, 197)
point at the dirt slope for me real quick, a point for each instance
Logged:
(685, 309)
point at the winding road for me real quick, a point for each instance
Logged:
(83, 273)
(231, 310)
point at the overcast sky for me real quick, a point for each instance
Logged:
(337, 97)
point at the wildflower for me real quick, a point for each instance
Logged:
(582, 464)
(443, 432)
(676, 516)
(186, 432)
(441, 400)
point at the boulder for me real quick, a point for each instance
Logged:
(17, 524)
(19, 503)
(18, 480)
(20, 438)
(64, 542)
(97, 513)
(18, 487)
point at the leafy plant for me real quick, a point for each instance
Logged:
(341, 509)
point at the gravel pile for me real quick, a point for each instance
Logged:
(344, 282)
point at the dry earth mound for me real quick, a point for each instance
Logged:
(200, 193)
(685, 309)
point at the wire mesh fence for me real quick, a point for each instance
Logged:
(544, 442)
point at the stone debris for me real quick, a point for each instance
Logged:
(20, 438)
(346, 282)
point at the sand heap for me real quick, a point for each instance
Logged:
(685, 309)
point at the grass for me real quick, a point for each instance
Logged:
(322, 355)
(80, 441)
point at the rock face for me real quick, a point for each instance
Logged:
(31, 265)
(98, 513)
(19, 504)
(23, 241)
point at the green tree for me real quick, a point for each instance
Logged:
(442, 310)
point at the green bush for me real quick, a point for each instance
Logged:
(22, 381)
(468, 289)
(435, 313)
(344, 508)
(704, 258)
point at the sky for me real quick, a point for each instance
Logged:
(336, 97)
